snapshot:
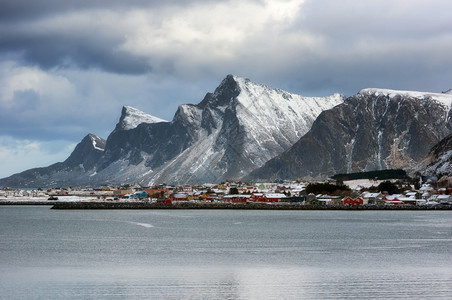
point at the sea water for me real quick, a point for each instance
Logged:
(224, 254)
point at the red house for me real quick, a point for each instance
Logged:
(258, 197)
(274, 197)
(394, 201)
(352, 202)
(178, 197)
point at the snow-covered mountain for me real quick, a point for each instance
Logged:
(229, 133)
(372, 130)
(238, 128)
(232, 131)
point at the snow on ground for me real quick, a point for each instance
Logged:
(41, 199)
(362, 183)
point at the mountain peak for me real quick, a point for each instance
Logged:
(132, 117)
(224, 93)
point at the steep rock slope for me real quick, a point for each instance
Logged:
(372, 130)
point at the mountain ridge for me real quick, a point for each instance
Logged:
(230, 132)
(245, 130)
(372, 130)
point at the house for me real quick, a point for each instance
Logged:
(208, 196)
(411, 200)
(121, 193)
(427, 188)
(237, 198)
(295, 199)
(274, 197)
(352, 202)
(178, 197)
(157, 192)
(140, 195)
(258, 197)
(444, 199)
(372, 198)
(393, 200)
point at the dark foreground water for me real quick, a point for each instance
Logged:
(224, 254)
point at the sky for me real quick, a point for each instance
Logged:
(68, 67)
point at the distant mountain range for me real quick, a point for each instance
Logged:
(228, 134)
(250, 131)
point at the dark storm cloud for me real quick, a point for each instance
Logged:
(37, 30)
(16, 10)
(66, 51)
(78, 46)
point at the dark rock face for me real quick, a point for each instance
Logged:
(86, 153)
(369, 131)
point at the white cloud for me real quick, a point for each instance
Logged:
(214, 34)
(15, 78)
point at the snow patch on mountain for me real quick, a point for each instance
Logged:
(98, 143)
(444, 98)
(132, 117)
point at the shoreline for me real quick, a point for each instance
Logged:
(82, 205)
(242, 206)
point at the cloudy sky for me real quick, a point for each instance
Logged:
(67, 67)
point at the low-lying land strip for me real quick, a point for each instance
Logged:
(219, 205)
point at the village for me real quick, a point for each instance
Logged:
(329, 193)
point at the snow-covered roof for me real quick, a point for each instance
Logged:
(371, 195)
(275, 195)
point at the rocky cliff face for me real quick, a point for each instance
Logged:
(372, 130)
(232, 131)
(439, 160)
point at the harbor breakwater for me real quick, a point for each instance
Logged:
(216, 205)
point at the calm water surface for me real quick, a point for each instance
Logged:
(224, 254)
